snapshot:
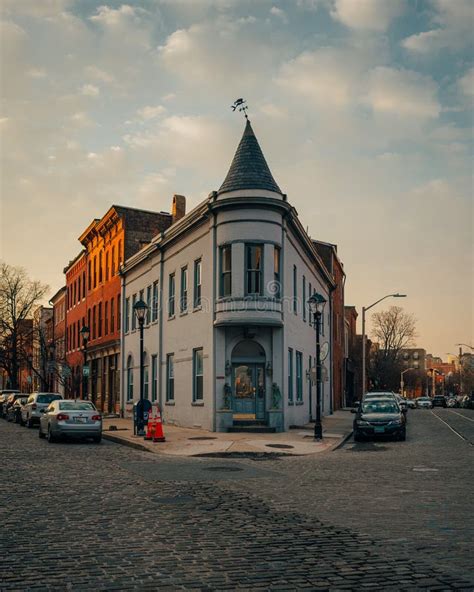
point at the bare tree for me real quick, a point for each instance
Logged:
(393, 330)
(19, 295)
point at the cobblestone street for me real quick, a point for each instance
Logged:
(391, 516)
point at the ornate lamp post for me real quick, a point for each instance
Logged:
(364, 310)
(317, 303)
(85, 368)
(140, 310)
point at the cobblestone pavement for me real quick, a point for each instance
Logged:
(85, 517)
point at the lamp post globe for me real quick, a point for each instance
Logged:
(141, 308)
(317, 303)
(85, 332)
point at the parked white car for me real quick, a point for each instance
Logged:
(31, 412)
(79, 419)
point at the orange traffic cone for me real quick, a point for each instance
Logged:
(158, 435)
(150, 429)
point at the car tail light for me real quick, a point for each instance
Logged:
(96, 418)
(34, 406)
(62, 417)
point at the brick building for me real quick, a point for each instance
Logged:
(94, 297)
(413, 360)
(58, 338)
(353, 367)
(40, 351)
(328, 253)
(75, 319)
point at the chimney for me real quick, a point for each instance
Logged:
(178, 209)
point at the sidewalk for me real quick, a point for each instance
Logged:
(197, 442)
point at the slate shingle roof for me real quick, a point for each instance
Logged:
(249, 169)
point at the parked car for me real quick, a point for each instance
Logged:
(14, 411)
(424, 403)
(411, 403)
(402, 402)
(452, 402)
(10, 401)
(31, 412)
(379, 417)
(78, 419)
(467, 401)
(3, 398)
(439, 401)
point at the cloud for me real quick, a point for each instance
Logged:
(466, 84)
(402, 92)
(149, 112)
(35, 8)
(111, 17)
(452, 29)
(373, 15)
(279, 13)
(98, 74)
(89, 90)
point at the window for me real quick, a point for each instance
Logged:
(170, 377)
(83, 284)
(146, 377)
(89, 318)
(198, 374)
(254, 265)
(304, 299)
(74, 293)
(310, 293)
(277, 272)
(119, 255)
(112, 269)
(106, 318)
(154, 378)
(148, 303)
(197, 283)
(295, 290)
(107, 263)
(130, 378)
(127, 315)
(95, 272)
(101, 277)
(112, 316)
(132, 312)
(89, 278)
(78, 288)
(183, 301)
(154, 311)
(299, 376)
(93, 323)
(171, 294)
(290, 375)
(119, 314)
(99, 323)
(226, 271)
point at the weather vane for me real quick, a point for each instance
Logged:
(240, 104)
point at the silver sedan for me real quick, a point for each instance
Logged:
(78, 419)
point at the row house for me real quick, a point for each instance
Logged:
(41, 352)
(93, 299)
(59, 370)
(329, 256)
(229, 336)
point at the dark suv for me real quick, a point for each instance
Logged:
(439, 401)
(379, 417)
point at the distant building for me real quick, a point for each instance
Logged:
(59, 370)
(414, 361)
(41, 353)
(352, 355)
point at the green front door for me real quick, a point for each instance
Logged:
(249, 389)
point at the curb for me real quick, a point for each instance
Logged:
(135, 445)
(342, 442)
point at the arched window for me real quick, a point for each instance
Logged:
(146, 377)
(130, 378)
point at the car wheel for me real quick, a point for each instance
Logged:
(40, 433)
(29, 423)
(50, 436)
(97, 439)
(358, 437)
(21, 422)
(402, 436)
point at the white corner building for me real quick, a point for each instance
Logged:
(228, 338)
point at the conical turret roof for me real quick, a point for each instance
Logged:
(249, 169)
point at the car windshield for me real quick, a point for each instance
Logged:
(47, 398)
(422, 399)
(76, 406)
(384, 406)
(379, 396)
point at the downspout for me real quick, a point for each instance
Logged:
(284, 358)
(160, 331)
(214, 385)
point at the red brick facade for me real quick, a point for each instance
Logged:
(75, 318)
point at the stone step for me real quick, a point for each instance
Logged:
(253, 429)
(249, 422)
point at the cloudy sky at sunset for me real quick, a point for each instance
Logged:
(363, 109)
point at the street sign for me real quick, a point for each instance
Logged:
(85, 371)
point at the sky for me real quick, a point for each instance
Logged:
(363, 109)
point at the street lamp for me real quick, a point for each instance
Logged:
(141, 309)
(402, 384)
(316, 304)
(364, 310)
(466, 345)
(85, 369)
